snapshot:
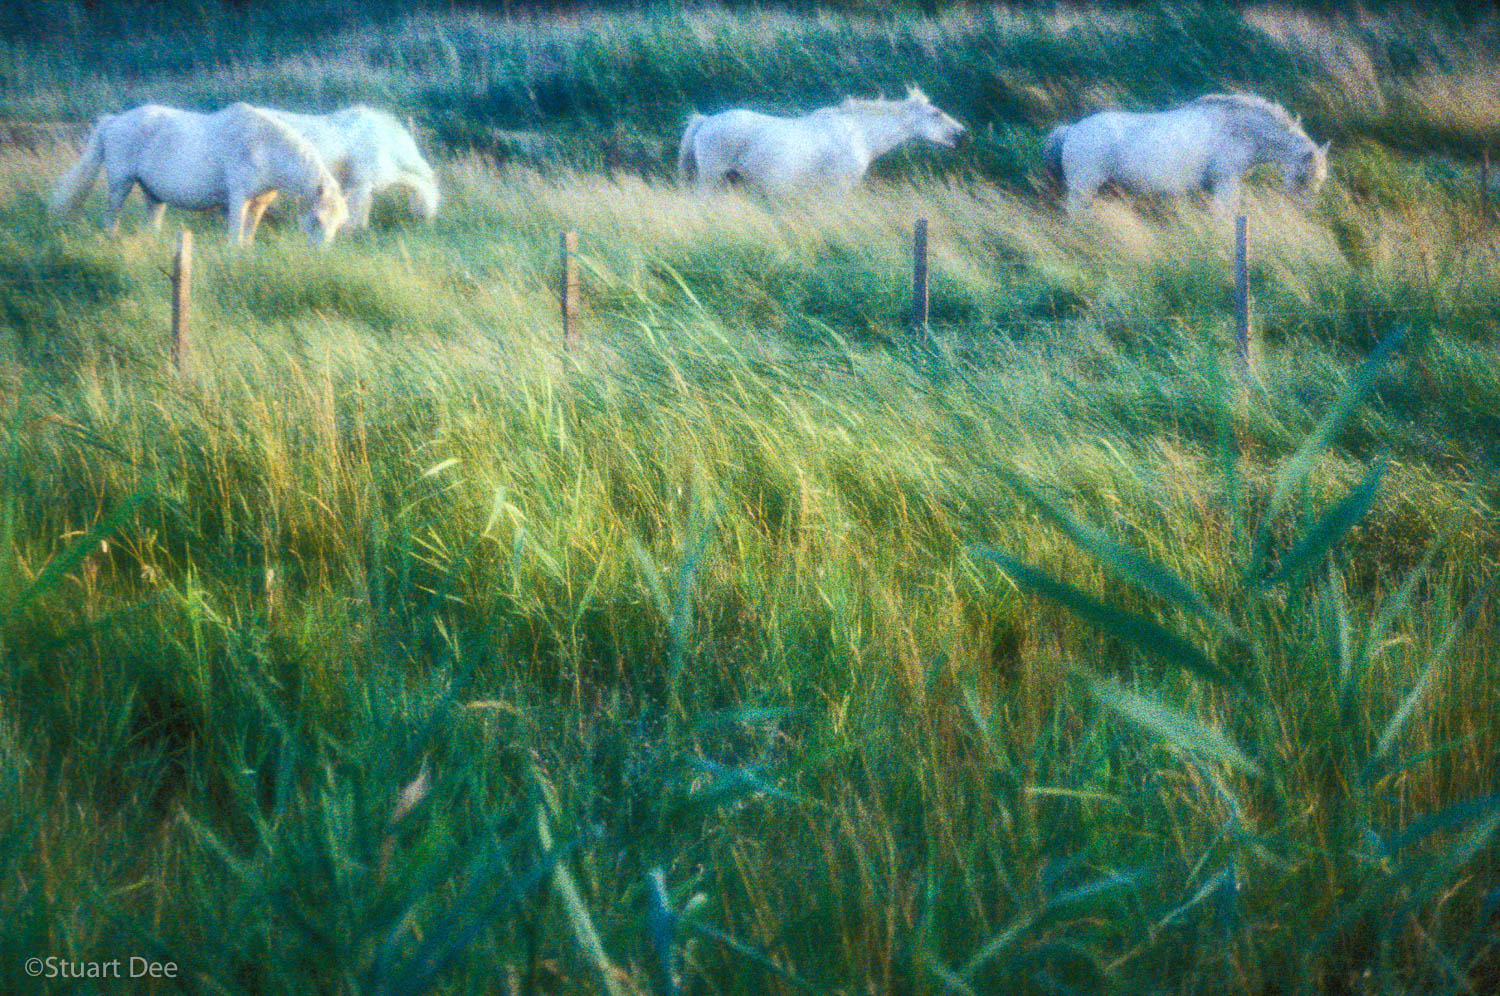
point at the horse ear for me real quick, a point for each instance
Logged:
(1323, 149)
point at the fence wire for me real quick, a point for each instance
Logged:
(1104, 316)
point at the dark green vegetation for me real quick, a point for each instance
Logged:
(390, 650)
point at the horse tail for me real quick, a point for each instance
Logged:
(1052, 151)
(687, 159)
(1052, 155)
(74, 185)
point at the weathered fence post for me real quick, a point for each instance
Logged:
(1484, 184)
(182, 277)
(568, 289)
(919, 326)
(1242, 292)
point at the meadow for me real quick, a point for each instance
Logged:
(753, 646)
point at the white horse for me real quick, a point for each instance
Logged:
(238, 158)
(1208, 143)
(831, 147)
(368, 150)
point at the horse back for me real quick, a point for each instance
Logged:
(150, 131)
(1162, 149)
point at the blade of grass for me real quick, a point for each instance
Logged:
(1174, 726)
(1319, 538)
(1122, 561)
(579, 920)
(1149, 637)
(1295, 471)
(1413, 698)
(58, 567)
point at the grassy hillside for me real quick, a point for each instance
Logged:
(751, 648)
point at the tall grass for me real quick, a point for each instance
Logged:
(749, 648)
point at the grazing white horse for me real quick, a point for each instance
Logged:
(238, 158)
(1208, 143)
(368, 151)
(831, 147)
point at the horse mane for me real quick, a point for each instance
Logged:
(878, 105)
(305, 152)
(1247, 107)
(867, 105)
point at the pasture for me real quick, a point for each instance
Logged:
(390, 648)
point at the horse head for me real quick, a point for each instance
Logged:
(326, 213)
(1306, 170)
(927, 122)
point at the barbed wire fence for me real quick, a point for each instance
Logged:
(922, 328)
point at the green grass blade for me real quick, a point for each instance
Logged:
(1124, 562)
(680, 621)
(1295, 471)
(577, 913)
(1109, 881)
(751, 954)
(651, 574)
(731, 783)
(661, 931)
(58, 567)
(1413, 698)
(1394, 605)
(1314, 544)
(951, 980)
(1177, 728)
(1149, 637)
(1460, 814)
(996, 946)
(1386, 766)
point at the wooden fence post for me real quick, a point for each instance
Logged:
(919, 325)
(182, 277)
(1242, 292)
(1484, 184)
(568, 289)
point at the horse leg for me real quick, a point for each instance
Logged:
(1079, 198)
(359, 196)
(1081, 184)
(709, 180)
(119, 189)
(255, 210)
(713, 173)
(1226, 193)
(155, 211)
(238, 209)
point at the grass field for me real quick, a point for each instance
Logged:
(389, 648)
